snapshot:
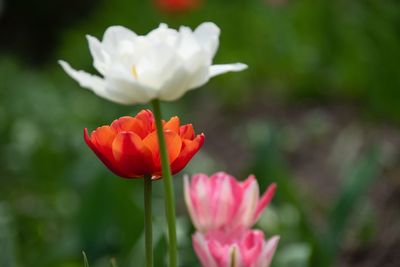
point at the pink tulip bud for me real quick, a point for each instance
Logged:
(242, 249)
(220, 202)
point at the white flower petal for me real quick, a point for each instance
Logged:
(207, 34)
(175, 86)
(200, 77)
(196, 60)
(223, 68)
(100, 58)
(163, 34)
(132, 91)
(163, 64)
(92, 82)
(157, 67)
(122, 82)
(115, 34)
(187, 45)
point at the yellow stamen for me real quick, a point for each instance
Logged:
(134, 72)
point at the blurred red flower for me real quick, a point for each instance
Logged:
(129, 146)
(171, 6)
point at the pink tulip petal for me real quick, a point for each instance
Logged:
(247, 204)
(203, 253)
(268, 252)
(264, 201)
(189, 202)
(200, 195)
(220, 202)
(247, 249)
(251, 247)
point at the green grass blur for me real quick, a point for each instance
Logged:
(317, 112)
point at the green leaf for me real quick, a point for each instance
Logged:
(355, 185)
(113, 262)
(85, 260)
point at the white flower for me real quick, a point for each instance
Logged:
(163, 64)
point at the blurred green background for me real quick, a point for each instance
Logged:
(317, 112)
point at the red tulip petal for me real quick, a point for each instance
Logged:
(172, 125)
(187, 131)
(189, 149)
(130, 124)
(105, 157)
(146, 116)
(131, 155)
(102, 138)
(173, 142)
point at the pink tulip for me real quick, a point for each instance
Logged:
(220, 202)
(243, 249)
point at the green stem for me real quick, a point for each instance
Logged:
(168, 187)
(148, 224)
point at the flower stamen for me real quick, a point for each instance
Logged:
(134, 72)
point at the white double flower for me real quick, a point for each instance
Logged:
(163, 64)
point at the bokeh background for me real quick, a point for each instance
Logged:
(317, 112)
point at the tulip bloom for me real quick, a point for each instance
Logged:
(177, 5)
(220, 202)
(129, 146)
(163, 64)
(244, 249)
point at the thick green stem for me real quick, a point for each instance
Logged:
(148, 224)
(168, 187)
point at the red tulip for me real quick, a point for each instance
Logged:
(129, 146)
(177, 5)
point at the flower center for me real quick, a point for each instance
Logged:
(134, 72)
